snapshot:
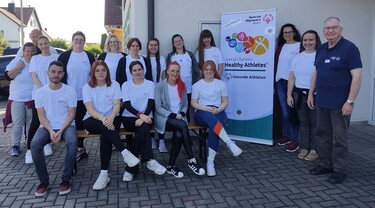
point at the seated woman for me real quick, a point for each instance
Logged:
(138, 98)
(210, 98)
(170, 115)
(101, 97)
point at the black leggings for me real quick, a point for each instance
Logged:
(180, 136)
(80, 113)
(188, 109)
(141, 142)
(107, 138)
(33, 126)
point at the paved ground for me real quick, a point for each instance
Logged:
(263, 176)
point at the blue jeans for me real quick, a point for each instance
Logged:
(205, 118)
(332, 138)
(41, 138)
(288, 129)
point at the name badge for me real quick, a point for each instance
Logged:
(327, 61)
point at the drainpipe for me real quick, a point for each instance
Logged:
(151, 18)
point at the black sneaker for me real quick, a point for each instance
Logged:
(196, 168)
(81, 154)
(173, 170)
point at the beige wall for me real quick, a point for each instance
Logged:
(183, 17)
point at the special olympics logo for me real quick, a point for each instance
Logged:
(268, 18)
(243, 43)
(228, 76)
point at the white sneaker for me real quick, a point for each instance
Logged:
(162, 147)
(47, 150)
(153, 143)
(211, 168)
(28, 157)
(234, 148)
(130, 159)
(158, 169)
(101, 182)
(127, 176)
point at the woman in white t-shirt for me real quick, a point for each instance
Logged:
(207, 50)
(102, 96)
(189, 66)
(298, 89)
(288, 46)
(39, 65)
(77, 65)
(170, 115)
(138, 98)
(113, 53)
(20, 89)
(123, 74)
(210, 98)
(158, 66)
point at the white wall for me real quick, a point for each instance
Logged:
(11, 32)
(183, 17)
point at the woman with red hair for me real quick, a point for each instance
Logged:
(101, 97)
(210, 98)
(170, 115)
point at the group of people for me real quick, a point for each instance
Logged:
(52, 96)
(316, 87)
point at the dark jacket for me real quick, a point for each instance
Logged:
(64, 58)
(121, 71)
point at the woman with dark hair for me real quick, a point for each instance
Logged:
(134, 45)
(113, 53)
(101, 97)
(288, 46)
(301, 71)
(138, 98)
(77, 65)
(207, 50)
(210, 98)
(158, 66)
(188, 64)
(170, 115)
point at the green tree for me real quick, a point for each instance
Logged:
(59, 43)
(94, 49)
(3, 43)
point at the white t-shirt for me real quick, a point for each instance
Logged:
(21, 86)
(288, 52)
(78, 71)
(186, 73)
(214, 54)
(303, 67)
(174, 99)
(138, 96)
(129, 59)
(56, 104)
(101, 97)
(209, 93)
(154, 66)
(111, 59)
(39, 64)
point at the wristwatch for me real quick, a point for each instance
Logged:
(351, 102)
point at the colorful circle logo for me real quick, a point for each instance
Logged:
(232, 43)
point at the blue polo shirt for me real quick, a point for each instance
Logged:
(333, 77)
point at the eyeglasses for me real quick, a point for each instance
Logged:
(288, 33)
(336, 27)
(78, 40)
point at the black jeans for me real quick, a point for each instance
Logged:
(141, 142)
(33, 126)
(107, 138)
(180, 136)
(80, 113)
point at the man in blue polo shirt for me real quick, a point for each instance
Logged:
(336, 81)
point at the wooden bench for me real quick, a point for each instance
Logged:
(199, 131)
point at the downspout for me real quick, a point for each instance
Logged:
(151, 18)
